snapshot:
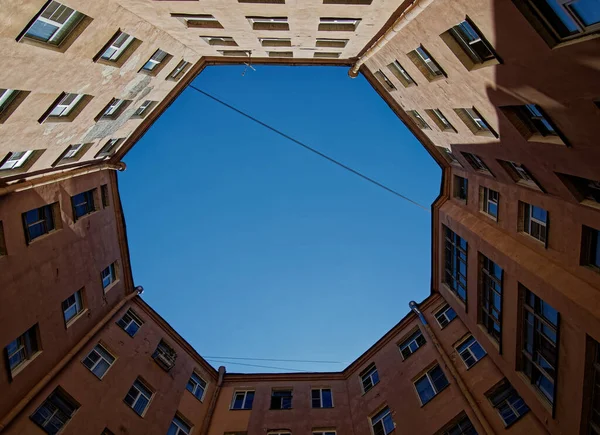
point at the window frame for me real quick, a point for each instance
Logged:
(244, 400)
(50, 221)
(320, 390)
(460, 186)
(79, 303)
(486, 198)
(457, 252)
(456, 38)
(440, 120)
(477, 163)
(384, 80)
(133, 319)
(338, 24)
(415, 336)
(157, 61)
(197, 385)
(179, 71)
(19, 163)
(401, 74)
(442, 312)
(426, 375)
(371, 373)
(380, 417)
(282, 398)
(101, 357)
(27, 343)
(469, 338)
(500, 395)
(64, 416)
(475, 122)
(87, 199)
(119, 50)
(426, 64)
(489, 315)
(418, 120)
(179, 421)
(112, 273)
(590, 257)
(136, 385)
(525, 215)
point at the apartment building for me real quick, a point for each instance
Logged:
(505, 93)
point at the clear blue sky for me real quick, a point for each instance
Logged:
(250, 246)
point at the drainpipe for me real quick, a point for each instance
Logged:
(59, 176)
(213, 403)
(63, 362)
(453, 372)
(409, 14)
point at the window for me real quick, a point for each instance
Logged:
(224, 41)
(53, 24)
(275, 42)
(109, 148)
(107, 431)
(83, 204)
(339, 24)
(562, 20)
(426, 64)
(590, 248)
(324, 432)
(347, 2)
(39, 221)
(470, 351)
(469, 46)
(117, 47)
(461, 426)
(585, 191)
(369, 378)
(6, 97)
(475, 122)
(158, 60)
(461, 188)
(144, 109)
(412, 343)
(533, 221)
(539, 353)
(179, 427)
(98, 361)
(104, 195)
(382, 422)
(508, 403)
(73, 153)
(55, 412)
(477, 163)
(164, 356)
(9, 101)
(113, 110)
(327, 54)
(2, 241)
(488, 201)
(430, 384)
(15, 160)
(22, 349)
(197, 386)
(138, 397)
(455, 264)
(322, 398)
(330, 43)
(532, 123)
(387, 83)
(242, 400)
(269, 23)
(130, 322)
(179, 70)
(418, 120)
(445, 315)
(448, 156)
(440, 120)
(108, 275)
(281, 399)
(65, 105)
(203, 21)
(520, 174)
(490, 314)
(401, 74)
(72, 306)
(281, 53)
(592, 415)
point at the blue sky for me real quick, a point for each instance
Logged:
(250, 246)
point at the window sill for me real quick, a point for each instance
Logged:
(527, 236)
(455, 296)
(476, 362)
(552, 140)
(490, 338)
(79, 218)
(370, 389)
(530, 185)
(240, 409)
(489, 216)
(193, 395)
(433, 398)
(43, 236)
(541, 398)
(111, 286)
(74, 319)
(21, 367)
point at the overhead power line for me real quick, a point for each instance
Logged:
(273, 359)
(307, 147)
(256, 365)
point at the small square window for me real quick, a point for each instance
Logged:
(590, 248)
(469, 45)
(461, 188)
(138, 397)
(22, 349)
(197, 386)
(322, 398)
(384, 80)
(109, 148)
(55, 412)
(489, 201)
(382, 422)
(156, 63)
(470, 351)
(338, 24)
(203, 21)
(242, 400)
(401, 74)
(83, 204)
(130, 323)
(507, 402)
(145, 108)
(418, 119)
(426, 64)
(411, 344)
(113, 109)
(16, 160)
(109, 275)
(179, 71)
(445, 315)
(475, 122)
(431, 384)
(40, 221)
(440, 120)
(65, 108)
(281, 399)
(98, 361)
(73, 153)
(73, 306)
(369, 378)
(534, 220)
(461, 425)
(477, 163)
(269, 23)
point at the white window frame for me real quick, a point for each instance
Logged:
(442, 312)
(431, 384)
(65, 109)
(180, 67)
(181, 430)
(485, 207)
(353, 21)
(154, 62)
(100, 358)
(143, 107)
(51, 22)
(469, 351)
(402, 71)
(11, 163)
(119, 49)
(8, 95)
(381, 418)
(72, 151)
(245, 393)
(324, 432)
(369, 374)
(477, 119)
(406, 344)
(112, 275)
(429, 62)
(108, 147)
(267, 20)
(139, 394)
(113, 107)
(320, 390)
(78, 304)
(133, 319)
(197, 385)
